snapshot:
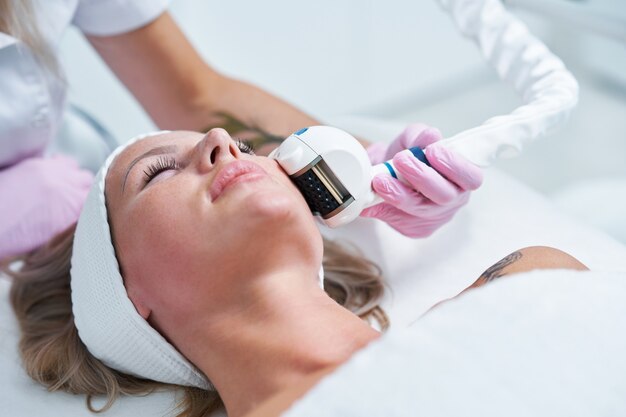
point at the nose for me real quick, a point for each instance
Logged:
(215, 147)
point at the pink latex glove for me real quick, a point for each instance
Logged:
(435, 193)
(40, 197)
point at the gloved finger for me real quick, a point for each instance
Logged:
(426, 138)
(454, 167)
(425, 179)
(401, 196)
(379, 211)
(404, 198)
(376, 152)
(401, 221)
(415, 134)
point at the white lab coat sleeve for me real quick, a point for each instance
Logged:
(113, 17)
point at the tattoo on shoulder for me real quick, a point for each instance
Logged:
(495, 271)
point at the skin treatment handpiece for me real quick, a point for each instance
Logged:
(333, 172)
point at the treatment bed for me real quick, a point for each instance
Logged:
(538, 344)
(502, 216)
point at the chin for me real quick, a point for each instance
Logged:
(269, 206)
(275, 204)
(277, 217)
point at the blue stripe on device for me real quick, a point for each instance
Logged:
(419, 154)
(301, 131)
(391, 170)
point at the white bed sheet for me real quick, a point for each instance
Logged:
(542, 344)
(501, 217)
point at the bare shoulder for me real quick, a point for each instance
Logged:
(528, 259)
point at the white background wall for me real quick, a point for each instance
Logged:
(326, 57)
(397, 60)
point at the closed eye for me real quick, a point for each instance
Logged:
(166, 163)
(162, 164)
(245, 146)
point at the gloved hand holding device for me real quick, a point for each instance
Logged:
(40, 198)
(435, 193)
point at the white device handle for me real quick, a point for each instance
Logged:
(548, 90)
(372, 198)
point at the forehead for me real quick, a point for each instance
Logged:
(133, 151)
(117, 171)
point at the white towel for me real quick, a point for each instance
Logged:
(544, 343)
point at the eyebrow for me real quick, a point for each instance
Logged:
(159, 150)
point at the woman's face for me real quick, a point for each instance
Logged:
(196, 221)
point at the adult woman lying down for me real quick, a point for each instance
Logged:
(196, 280)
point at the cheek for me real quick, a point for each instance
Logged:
(158, 239)
(273, 168)
(160, 222)
(174, 244)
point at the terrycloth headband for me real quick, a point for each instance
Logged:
(107, 321)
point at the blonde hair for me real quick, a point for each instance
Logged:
(19, 19)
(54, 356)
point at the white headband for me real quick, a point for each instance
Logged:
(107, 321)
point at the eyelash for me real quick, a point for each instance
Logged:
(245, 146)
(164, 163)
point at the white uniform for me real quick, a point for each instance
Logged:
(32, 100)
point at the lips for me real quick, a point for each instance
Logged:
(234, 172)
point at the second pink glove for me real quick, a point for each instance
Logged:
(40, 198)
